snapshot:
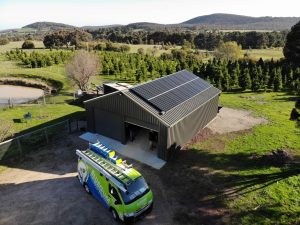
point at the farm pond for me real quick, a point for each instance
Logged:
(11, 94)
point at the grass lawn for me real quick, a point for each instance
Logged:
(49, 113)
(149, 48)
(275, 53)
(18, 44)
(257, 192)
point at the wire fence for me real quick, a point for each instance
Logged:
(18, 147)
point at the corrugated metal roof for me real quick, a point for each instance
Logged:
(194, 95)
(168, 92)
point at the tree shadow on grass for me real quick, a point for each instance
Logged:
(204, 181)
(287, 99)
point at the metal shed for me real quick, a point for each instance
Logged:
(176, 107)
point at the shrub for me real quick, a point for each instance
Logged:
(294, 114)
(4, 41)
(28, 45)
(124, 48)
(141, 51)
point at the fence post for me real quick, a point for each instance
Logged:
(19, 147)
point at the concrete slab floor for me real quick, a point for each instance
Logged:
(138, 149)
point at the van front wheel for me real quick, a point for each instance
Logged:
(114, 214)
(86, 188)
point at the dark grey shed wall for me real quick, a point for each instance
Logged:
(180, 133)
(118, 103)
(123, 109)
(109, 124)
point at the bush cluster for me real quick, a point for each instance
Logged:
(38, 59)
(112, 47)
(226, 75)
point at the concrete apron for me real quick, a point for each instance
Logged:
(137, 150)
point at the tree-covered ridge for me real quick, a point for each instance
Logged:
(48, 26)
(201, 40)
(212, 21)
(232, 21)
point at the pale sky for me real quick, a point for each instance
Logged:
(18, 13)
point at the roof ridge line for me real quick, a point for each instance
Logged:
(160, 78)
(173, 88)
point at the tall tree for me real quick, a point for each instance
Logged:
(229, 51)
(81, 68)
(245, 79)
(292, 46)
(255, 80)
(277, 80)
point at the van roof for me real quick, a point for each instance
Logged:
(131, 173)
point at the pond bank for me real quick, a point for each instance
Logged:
(10, 94)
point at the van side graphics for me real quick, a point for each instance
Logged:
(97, 189)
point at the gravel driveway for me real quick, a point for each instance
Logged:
(43, 189)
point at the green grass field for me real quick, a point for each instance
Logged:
(18, 44)
(41, 114)
(257, 191)
(275, 53)
(150, 48)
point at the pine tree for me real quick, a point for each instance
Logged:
(278, 80)
(226, 81)
(289, 79)
(272, 77)
(245, 79)
(255, 80)
(234, 76)
(266, 78)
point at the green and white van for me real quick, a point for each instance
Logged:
(117, 185)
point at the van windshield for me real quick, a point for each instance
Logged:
(135, 190)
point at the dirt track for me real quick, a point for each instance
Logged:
(230, 120)
(43, 189)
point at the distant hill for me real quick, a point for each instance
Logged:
(218, 21)
(48, 26)
(144, 25)
(100, 27)
(231, 21)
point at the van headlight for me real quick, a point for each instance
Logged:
(129, 214)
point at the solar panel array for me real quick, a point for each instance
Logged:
(167, 92)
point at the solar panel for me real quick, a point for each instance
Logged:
(161, 85)
(172, 90)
